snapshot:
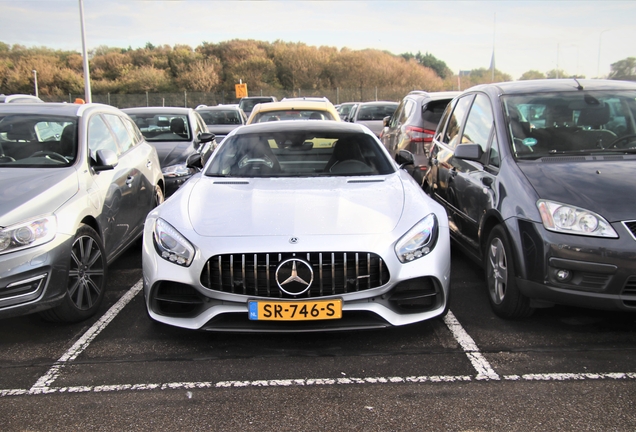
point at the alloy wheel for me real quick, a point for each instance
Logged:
(87, 272)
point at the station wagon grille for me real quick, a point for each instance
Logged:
(335, 273)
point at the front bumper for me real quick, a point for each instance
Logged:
(34, 279)
(415, 291)
(592, 272)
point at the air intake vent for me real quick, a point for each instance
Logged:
(631, 227)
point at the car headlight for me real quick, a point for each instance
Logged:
(28, 234)
(180, 170)
(564, 218)
(171, 245)
(418, 241)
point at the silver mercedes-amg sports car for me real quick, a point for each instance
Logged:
(297, 226)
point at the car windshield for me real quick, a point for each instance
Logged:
(220, 117)
(30, 140)
(307, 114)
(299, 154)
(375, 112)
(163, 127)
(583, 122)
(247, 105)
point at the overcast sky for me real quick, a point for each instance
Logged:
(539, 35)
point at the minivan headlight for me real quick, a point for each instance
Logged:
(180, 170)
(569, 219)
(28, 234)
(171, 245)
(418, 241)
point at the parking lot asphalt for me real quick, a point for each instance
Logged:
(565, 368)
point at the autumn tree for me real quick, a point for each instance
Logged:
(624, 69)
(248, 61)
(531, 75)
(430, 61)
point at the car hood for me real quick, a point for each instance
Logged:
(29, 192)
(284, 206)
(173, 153)
(602, 186)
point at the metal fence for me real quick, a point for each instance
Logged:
(194, 99)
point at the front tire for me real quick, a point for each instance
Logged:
(86, 279)
(158, 196)
(506, 299)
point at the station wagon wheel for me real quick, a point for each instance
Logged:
(505, 298)
(157, 196)
(86, 279)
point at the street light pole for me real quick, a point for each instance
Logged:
(35, 82)
(598, 66)
(87, 78)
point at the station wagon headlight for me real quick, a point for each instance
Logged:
(418, 241)
(171, 245)
(180, 170)
(568, 219)
(28, 234)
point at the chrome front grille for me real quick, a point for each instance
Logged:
(335, 273)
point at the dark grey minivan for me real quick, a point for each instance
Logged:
(537, 178)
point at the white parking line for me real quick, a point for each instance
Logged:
(45, 381)
(478, 361)
(313, 382)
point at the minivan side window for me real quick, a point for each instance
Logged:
(479, 124)
(451, 135)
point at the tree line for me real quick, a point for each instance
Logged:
(217, 67)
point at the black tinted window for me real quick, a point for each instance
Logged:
(451, 135)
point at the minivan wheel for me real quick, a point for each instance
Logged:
(506, 299)
(86, 279)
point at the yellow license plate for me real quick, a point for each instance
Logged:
(295, 310)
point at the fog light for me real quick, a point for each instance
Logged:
(563, 275)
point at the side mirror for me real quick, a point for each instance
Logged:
(469, 152)
(206, 137)
(194, 161)
(385, 121)
(106, 160)
(404, 157)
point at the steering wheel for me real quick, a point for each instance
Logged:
(350, 166)
(51, 155)
(614, 144)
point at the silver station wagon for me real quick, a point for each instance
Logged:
(77, 184)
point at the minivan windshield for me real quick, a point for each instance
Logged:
(582, 122)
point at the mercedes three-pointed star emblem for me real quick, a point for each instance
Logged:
(294, 276)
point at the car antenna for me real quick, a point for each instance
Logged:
(579, 87)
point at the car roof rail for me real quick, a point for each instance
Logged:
(419, 92)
